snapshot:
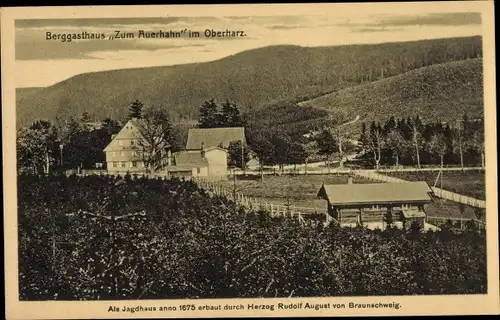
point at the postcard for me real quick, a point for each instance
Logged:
(250, 160)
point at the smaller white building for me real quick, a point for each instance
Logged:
(209, 163)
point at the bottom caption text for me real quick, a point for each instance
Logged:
(253, 307)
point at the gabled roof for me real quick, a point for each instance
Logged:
(132, 130)
(344, 194)
(213, 137)
(192, 158)
(210, 149)
(137, 123)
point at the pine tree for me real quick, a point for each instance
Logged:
(327, 145)
(135, 110)
(466, 126)
(230, 116)
(208, 117)
(389, 125)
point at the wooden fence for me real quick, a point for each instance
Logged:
(433, 169)
(442, 220)
(441, 193)
(288, 210)
(252, 203)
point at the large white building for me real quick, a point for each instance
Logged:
(124, 153)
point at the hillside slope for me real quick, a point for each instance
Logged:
(22, 93)
(443, 91)
(252, 78)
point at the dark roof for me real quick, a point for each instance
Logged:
(193, 158)
(342, 194)
(213, 137)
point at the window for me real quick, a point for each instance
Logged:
(114, 154)
(123, 164)
(122, 153)
(115, 164)
(120, 142)
(132, 142)
(133, 164)
(198, 170)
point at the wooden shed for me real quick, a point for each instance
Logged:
(364, 203)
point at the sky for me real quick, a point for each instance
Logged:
(41, 62)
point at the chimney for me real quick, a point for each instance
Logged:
(169, 158)
(202, 150)
(349, 179)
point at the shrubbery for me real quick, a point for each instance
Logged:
(191, 244)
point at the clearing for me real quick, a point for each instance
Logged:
(301, 191)
(469, 183)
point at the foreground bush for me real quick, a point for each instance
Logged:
(107, 238)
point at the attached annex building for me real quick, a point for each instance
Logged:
(209, 163)
(368, 204)
(205, 154)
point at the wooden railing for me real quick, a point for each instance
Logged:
(440, 193)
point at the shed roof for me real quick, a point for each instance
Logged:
(413, 213)
(345, 194)
(181, 168)
(213, 137)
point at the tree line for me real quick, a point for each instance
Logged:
(63, 144)
(75, 143)
(411, 142)
(78, 143)
(402, 141)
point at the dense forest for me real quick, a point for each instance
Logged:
(253, 79)
(89, 238)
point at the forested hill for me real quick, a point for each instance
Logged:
(251, 79)
(442, 91)
(22, 93)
